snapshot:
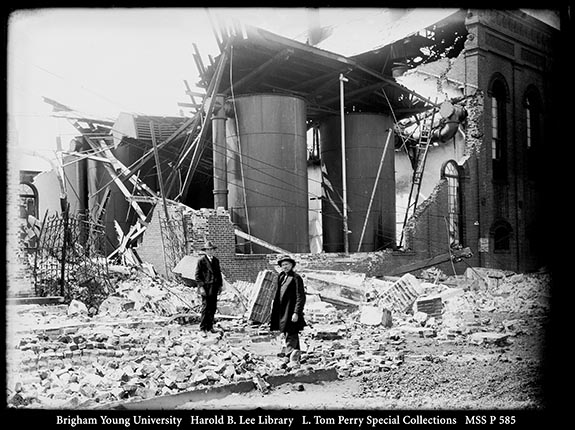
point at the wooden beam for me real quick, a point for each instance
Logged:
(316, 54)
(260, 242)
(195, 93)
(455, 255)
(83, 156)
(208, 117)
(102, 205)
(159, 169)
(126, 192)
(281, 56)
(189, 105)
(198, 59)
(214, 30)
(119, 166)
(322, 78)
(351, 94)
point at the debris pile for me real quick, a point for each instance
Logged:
(132, 348)
(154, 294)
(104, 364)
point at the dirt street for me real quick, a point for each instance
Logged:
(485, 350)
(434, 375)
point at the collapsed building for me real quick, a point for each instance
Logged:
(442, 125)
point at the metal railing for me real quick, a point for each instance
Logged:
(70, 259)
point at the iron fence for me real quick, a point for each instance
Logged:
(70, 259)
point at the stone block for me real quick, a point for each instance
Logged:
(374, 315)
(199, 378)
(76, 307)
(492, 338)
(420, 317)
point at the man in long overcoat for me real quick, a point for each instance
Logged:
(287, 310)
(209, 281)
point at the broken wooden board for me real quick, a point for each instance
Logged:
(346, 289)
(186, 268)
(260, 304)
(402, 294)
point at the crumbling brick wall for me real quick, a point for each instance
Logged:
(426, 232)
(18, 271)
(198, 226)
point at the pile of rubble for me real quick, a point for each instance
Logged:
(133, 348)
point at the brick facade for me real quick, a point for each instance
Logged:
(516, 50)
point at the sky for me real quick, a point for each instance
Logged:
(107, 61)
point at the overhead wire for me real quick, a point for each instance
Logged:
(70, 82)
(331, 216)
(239, 142)
(242, 163)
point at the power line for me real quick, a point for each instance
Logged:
(69, 82)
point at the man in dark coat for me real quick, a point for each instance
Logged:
(287, 309)
(209, 281)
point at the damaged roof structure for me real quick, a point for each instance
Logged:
(415, 154)
(411, 107)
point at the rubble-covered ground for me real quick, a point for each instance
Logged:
(484, 350)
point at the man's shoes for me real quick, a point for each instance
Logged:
(213, 330)
(203, 333)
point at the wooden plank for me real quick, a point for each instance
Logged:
(189, 105)
(259, 306)
(197, 51)
(118, 165)
(433, 261)
(125, 191)
(351, 94)
(260, 242)
(102, 205)
(215, 32)
(159, 169)
(195, 93)
(279, 57)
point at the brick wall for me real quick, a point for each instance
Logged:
(198, 226)
(505, 44)
(426, 233)
(19, 280)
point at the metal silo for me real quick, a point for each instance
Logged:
(272, 165)
(365, 139)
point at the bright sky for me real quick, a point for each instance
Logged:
(107, 61)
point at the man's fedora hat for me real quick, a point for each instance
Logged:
(208, 245)
(286, 258)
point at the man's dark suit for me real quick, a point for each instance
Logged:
(209, 280)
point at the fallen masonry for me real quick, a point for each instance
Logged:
(132, 354)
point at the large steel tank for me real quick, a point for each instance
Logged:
(365, 139)
(273, 162)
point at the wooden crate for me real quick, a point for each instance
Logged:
(260, 304)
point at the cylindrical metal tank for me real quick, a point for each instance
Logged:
(365, 138)
(273, 162)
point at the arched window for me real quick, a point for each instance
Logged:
(501, 232)
(450, 172)
(498, 94)
(28, 201)
(532, 127)
(28, 207)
